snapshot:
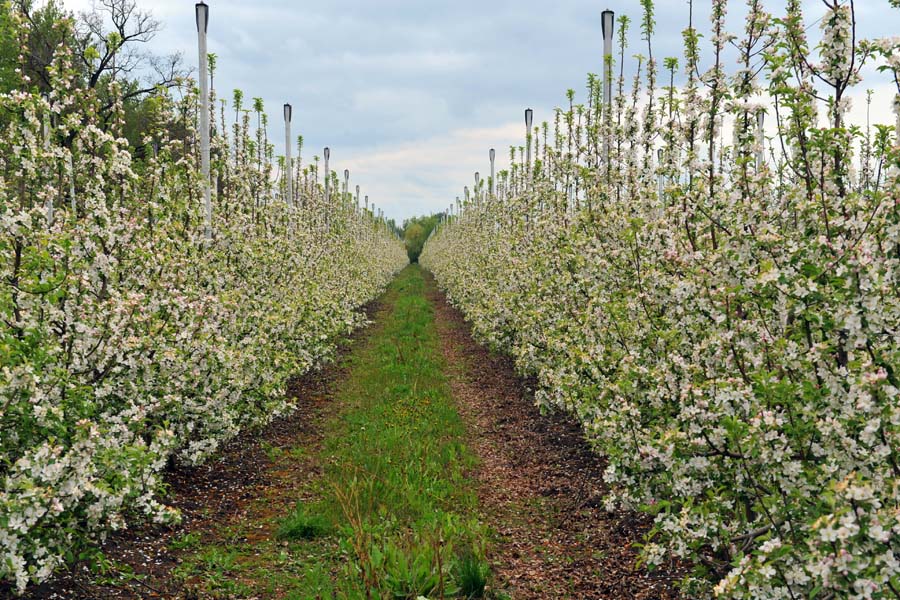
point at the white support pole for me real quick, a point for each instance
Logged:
(897, 113)
(760, 139)
(48, 205)
(72, 183)
(492, 185)
(661, 179)
(327, 154)
(529, 118)
(346, 185)
(202, 15)
(897, 124)
(288, 165)
(607, 25)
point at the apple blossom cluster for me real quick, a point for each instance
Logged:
(723, 318)
(128, 339)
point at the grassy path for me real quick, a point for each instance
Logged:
(393, 513)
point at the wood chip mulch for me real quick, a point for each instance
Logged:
(541, 487)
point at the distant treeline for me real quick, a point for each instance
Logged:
(416, 230)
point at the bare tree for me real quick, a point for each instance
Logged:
(110, 41)
(119, 32)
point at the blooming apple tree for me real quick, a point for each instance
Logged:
(722, 313)
(128, 339)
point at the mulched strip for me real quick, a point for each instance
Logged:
(226, 490)
(541, 486)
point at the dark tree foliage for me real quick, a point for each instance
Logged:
(110, 42)
(416, 230)
(9, 48)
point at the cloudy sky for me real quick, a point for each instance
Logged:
(411, 94)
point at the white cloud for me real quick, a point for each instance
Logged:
(409, 93)
(424, 176)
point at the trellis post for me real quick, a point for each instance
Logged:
(288, 166)
(760, 139)
(493, 155)
(607, 24)
(202, 16)
(327, 154)
(529, 118)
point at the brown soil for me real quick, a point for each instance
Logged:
(541, 486)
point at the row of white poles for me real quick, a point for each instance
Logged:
(202, 16)
(607, 27)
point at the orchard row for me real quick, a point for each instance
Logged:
(716, 299)
(134, 332)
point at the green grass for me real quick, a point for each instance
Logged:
(185, 541)
(472, 575)
(304, 524)
(394, 514)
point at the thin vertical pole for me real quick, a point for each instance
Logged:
(202, 15)
(607, 24)
(529, 117)
(288, 165)
(72, 184)
(661, 178)
(48, 205)
(897, 112)
(477, 191)
(346, 185)
(760, 139)
(492, 185)
(897, 124)
(327, 154)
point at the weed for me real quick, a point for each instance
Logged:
(185, 541)
(472, 575)
(304, 524)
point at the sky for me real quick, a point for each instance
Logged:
(410, 95)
